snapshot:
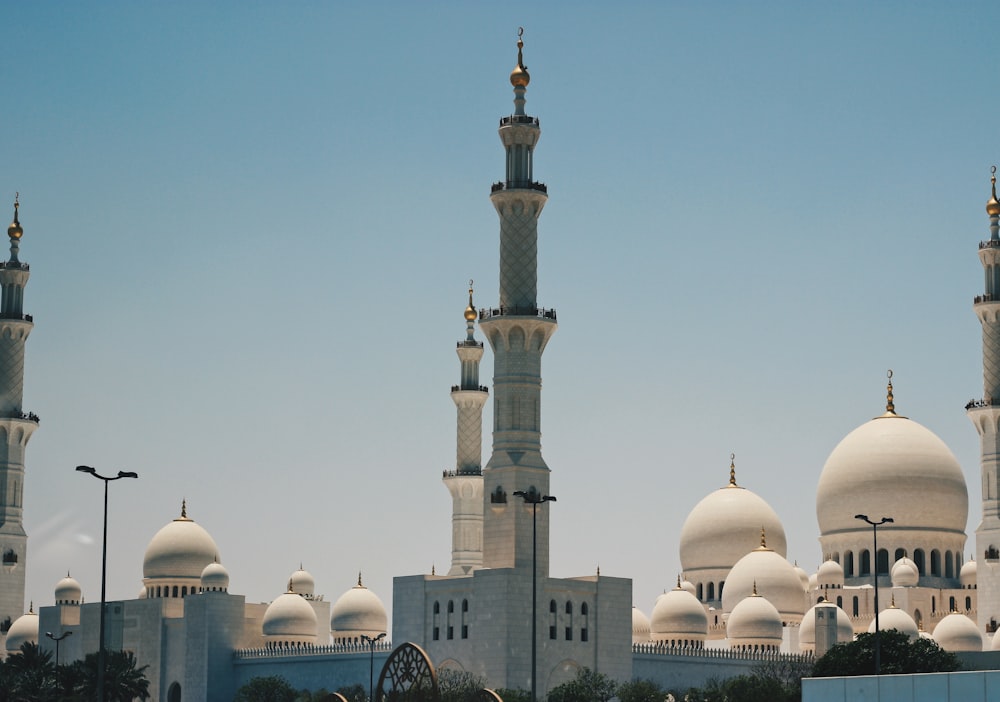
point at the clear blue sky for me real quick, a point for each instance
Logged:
(251, 226)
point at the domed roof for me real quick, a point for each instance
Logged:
(689, 586)
(895, 618)
(640, 626)
(678, 614)
(358, 609)
(215, 577)
(892, 466)
(957, 632)
(289, 616)
(967, 576)
(807, 630)
(23, 630)
(181, 549)
(767, 573)
(68, 591)
(995, 643)
(303, 583)
(723, 527)
(905, 573)
(755, 621)
(803, 576)
(830, 574)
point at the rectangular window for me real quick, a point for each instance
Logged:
(451, 632)
(465, 631)
(583, 635)
(437, 633)
(552, 633)
(569, 633)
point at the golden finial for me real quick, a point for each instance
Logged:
(359, 579)
(598, 570)
(290, 585)
(993, 205)
(892, 603)
(184, 508)
(14, 231)
(678, 581)
(755, 589)
(890, 408)
(433, 571)
(763, 538)
(732, 470)
(470, 311)
(31, 607)
(519, 77)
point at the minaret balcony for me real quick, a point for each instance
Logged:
(16, 265)
(518, 185)
(990, 244)
(469, 344)
(517, 312)
(460, 388)
(520, 119)
(14, 315)
(466, 472)
(17, 414)
(979, 404)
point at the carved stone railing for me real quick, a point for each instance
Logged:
(517, 312)
(519, 185)
(286, 651)
(520, 119)
(481, 388)
(656, 649)
(985, 402)
(458, 473)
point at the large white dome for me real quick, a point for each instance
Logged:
(679, 619)
(723, 528)
(772, 577)
(181, 549)
(358, 611)
(290, 618)
(957, 632)
(23, 630)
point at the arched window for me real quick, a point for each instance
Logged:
(918, 618)
(951, 605)
(451, 623)
(968, 604)
(900, 553)
(935, 562)
(855, 608)
(918, 559)
(437, 621)
(174, 693)
(552, 619)
(465, 619)
(711, 592)
(836, 557)
(882, 561)
(175, 591)
(721, 585)
(569, 621)
(849, 564)
(701, 594)
(866, 562)
(949, 565)
(840, 601)
(585, 623)
(933, 605)
(184, 591)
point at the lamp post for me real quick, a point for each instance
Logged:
(534, 499)
(875, 526)
(371, 662)
(57, 639)
(104, 568)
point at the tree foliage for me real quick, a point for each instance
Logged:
(587, 686)
(272, 688)
(459, 685)
(897, 655)
(355, 693)
(508, 694)
(30, 676)
(640, 691)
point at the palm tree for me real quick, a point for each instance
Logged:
(123, 681)
(30, 675)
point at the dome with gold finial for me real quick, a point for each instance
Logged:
(358, 611)
(14, 231)
(177, 554)
(470, 310)
(992, 205)
(23, 630)
(770, 575)
(519, 77)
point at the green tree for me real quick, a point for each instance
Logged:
(272, 688)
(123, 681)
(355, 693)
(587, 686)
(459, 685)
(30, 675)
(640, 691)
(511, 695)
(898, 655)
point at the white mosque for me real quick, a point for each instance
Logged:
(738, 601)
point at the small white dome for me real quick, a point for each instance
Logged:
(358, 611)
(995, 642)
(905, 573)
(772, 577)
(181, 549)
(640, 626)
(895, 618)
(807, 631)
(803, 576)
(967, 576)
(68, 591)
(303, 583)
(957, 632)
(688, 586)
(142, 594)
(23, 630)
(830, 574)
(754, 622)
(679, 616)
(215, 578)
(813, 581)
(290, 618)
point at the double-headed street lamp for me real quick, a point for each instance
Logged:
(533, 498)
(875, 526)
(371, 662)
(57, 639)
(104, 568)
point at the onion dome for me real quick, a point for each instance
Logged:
(895, 618)
(830, 575)
(905, 573)
(470, 310)
(215, 578)
(679, 619)
(967, 576)
(892, 466)
(957, 632)
(688, 586)
(358, 611)
(289, 621)
(303, 583)
(68, 591)
(807, 631)
(765, 572)
(723, 528)
(14, 231)
(640, 626)
(180, 550)
(519, 77)
(754, 624)
(803, 576)
(992, 205)
(23, 630)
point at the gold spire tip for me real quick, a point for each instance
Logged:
(993, 205)
(184, 508)
(763, 538)
(732, 470)
(678, 580)
(359, 579)
(470, 311)
(890, 408)
(14, 231)
(519, 77)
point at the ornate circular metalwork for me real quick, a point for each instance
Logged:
(408, 676)
(488, 695)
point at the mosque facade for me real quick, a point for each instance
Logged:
(498, 612)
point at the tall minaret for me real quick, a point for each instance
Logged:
(518, 331)
(16, 428)
(465, 483)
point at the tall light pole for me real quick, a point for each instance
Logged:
(57, 639)
(104, 568)
(534, 499)
(371, 662)
(875, 526)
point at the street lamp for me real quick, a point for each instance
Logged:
(534, 499)
(371, 662)
(104, 568)
(57, 639)
(875, 526)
